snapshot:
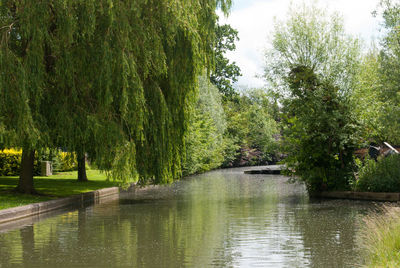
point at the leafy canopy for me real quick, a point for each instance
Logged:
(225, 73)
(312, 66)
(205, 141)
(311, 37)
(115, 77)
(389, 71)
(251, 129)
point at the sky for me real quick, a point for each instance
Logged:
(254, 21)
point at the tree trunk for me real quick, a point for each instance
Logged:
(82, 167)
(27, 235)
(25, 183)
(82, 234)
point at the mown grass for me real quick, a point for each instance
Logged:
(380, 238)
(60, 185)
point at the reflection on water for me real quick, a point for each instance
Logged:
(223, 218)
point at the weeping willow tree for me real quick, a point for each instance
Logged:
(109, 77)
(22, 84)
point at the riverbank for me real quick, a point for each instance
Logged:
(79, 200)
(368, 196)
(61, 185)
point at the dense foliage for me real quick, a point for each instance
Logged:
(252, 132)
(111, 78)
(319, 128)
(377, 104)
(238, 132)
(205, 141)
(123, 83)
(63, 161)
(380, 176)
(376, 98)
(389, 70)
(366, 101)
(10, 163)
(312, 67)
(313, 38)
(225, 73)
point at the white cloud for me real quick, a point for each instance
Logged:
(254, 21)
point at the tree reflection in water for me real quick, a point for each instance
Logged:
(221, 218)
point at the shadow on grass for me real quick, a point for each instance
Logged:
(56, 186)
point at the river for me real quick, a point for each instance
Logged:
(222, 218)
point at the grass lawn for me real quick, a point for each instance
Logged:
(60, 185)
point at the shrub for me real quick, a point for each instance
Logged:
(65, 161)
(381, 176)
(10, 163)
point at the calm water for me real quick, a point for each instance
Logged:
(219, 219)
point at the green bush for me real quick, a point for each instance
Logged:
(10, 163)
(381, 176)
(64, 161)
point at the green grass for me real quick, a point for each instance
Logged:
(60, 185)
(380, 237)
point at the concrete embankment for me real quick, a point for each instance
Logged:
(85, 199)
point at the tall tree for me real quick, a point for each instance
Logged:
(205, 136)
(22, 81)
(368, 104)
(225, 73)
(389, 69)
(319, 132)
(311, 37)
(312, 65)
(111, 78)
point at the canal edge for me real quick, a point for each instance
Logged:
(83, 199)
(367, 196)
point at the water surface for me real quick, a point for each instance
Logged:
(222, 218)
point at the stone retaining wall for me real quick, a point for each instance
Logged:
(95, 197)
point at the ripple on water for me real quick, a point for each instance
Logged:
(222, 218)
